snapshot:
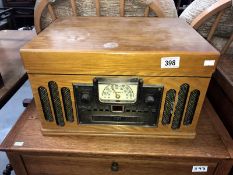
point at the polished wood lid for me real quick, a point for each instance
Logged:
(131, 46)
(117, 34)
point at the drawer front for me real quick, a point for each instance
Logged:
(107, 166)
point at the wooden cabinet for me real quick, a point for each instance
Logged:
(220, 91)
(23, 12)
(32, 153)
(19, 3)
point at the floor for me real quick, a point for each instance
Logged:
(9, 115)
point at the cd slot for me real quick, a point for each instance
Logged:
(117, 108)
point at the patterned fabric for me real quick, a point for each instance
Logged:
(195, 9)
(219, 43)
(62, 8)
(224, 28)
(168, 7)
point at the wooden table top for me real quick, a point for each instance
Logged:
(11, 67)
(103, 34)
(212, 141)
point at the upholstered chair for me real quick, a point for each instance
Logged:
(46, 11)
(213, 19)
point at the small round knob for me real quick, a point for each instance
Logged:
(85, 98)
(5, 172)
(149, 100)
(9, 167)
(115, 166)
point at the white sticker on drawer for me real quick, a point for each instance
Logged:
(18, 143)
(197, 169)
(209, 62)
(170, 62)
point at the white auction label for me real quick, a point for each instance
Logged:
(197, 169)
(209, 62)
(170, 62)
(18, 143)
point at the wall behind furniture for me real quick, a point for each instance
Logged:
(1, 4)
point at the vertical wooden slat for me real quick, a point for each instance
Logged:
(214, 26)
(209, 12)
(227, 45)
(155, 6)
(97, 5)
(122, 8)
(73, 6)
(147, 10)
(51, 12)
(37, 14)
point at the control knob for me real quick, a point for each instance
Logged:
(85, 98)
(149, 100)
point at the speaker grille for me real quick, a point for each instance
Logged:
(54, 93)
(67, 103)
(46, 107)
(168, 106)
(191, 107)
(179, 110)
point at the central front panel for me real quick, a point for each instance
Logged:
(118, 101)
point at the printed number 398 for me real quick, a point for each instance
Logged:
(170, 62)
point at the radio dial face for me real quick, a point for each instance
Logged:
(118, 93)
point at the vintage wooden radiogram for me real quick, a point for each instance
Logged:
(111, 76)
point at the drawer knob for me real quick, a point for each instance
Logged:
(115, 166)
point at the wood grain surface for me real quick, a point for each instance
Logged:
(90, 33)
(160, 131)
(218, 97)
(118, 46)
(220, 91)
(224, 75)
(94, 155)
(225, 166)
(11, 67)
(208, 143)
(93, 166)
